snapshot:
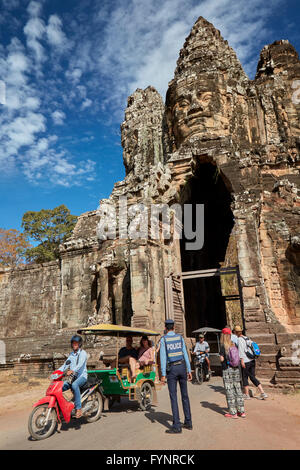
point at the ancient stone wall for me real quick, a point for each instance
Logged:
(29, 299)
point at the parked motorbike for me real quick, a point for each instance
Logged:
(54, 408)
(201, 369)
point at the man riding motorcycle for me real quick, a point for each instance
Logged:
(77, 364)
(201, 350)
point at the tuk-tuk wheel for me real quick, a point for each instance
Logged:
(145, 396)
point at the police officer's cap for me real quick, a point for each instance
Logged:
(169, 322)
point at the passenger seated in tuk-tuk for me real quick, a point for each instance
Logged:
(145, 357)
(127, 355)
(145, 352)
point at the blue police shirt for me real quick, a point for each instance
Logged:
(163, 356)
(80, 368)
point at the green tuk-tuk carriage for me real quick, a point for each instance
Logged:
(115, 382)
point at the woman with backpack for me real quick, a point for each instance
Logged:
(230, 360)
(247, 356)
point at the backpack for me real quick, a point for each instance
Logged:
(233, 356)
(253, 351)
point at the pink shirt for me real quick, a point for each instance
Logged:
(145, 355)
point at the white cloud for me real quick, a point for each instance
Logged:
(43, 165)
(10, 4)
(34, 8)
(74, 75)
(34, 30)
(55, 34)
(141, 40)
(24, 142)
(21, 131)
(58, 117)
(111, 49)
(86, 104)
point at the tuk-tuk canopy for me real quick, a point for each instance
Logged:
(206, 329)
(107, 329)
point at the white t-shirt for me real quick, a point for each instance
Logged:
(201, 347)
(243, 347)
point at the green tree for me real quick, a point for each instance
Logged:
(50, 228)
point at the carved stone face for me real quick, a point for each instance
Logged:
(197, 109)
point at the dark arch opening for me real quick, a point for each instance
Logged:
(204, 305)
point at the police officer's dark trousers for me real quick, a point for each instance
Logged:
(178, 373)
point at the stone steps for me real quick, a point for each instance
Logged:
(288, 373)
(255, 327)
(269, 348)
(266, 358)
(265, 373)
(287, 380)
(261, 338)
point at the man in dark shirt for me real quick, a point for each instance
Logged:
(129, 355)
(127, 351)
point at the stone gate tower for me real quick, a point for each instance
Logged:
(221, 140)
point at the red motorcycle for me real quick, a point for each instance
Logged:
(55, 409)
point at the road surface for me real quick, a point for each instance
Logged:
(270, 424)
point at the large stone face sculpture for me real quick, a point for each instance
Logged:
(199, 98)
(142, 131)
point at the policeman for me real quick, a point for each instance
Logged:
(176, 366)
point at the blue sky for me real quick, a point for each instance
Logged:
(68, 67)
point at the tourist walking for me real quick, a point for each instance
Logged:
(229, 356)
(248, 365)
(175, 365)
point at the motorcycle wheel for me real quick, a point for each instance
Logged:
(97, 407)
(199, 375)
(36, 422)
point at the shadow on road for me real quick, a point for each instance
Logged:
(214, 407)
(217, 388)
(165, 419)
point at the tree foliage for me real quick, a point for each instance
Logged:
(50, 228)
(12, 247)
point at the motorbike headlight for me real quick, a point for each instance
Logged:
(54, 376)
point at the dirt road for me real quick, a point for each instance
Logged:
(270, 424)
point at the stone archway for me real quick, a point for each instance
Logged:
(203, 297)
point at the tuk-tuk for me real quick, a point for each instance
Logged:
(115, 382)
